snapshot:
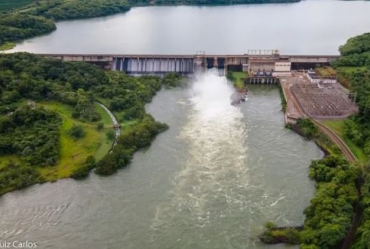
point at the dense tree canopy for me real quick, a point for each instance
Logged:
(356, 57)
(32, 134)
(15, 27)
(354, 69)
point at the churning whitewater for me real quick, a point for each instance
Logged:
(211, 188)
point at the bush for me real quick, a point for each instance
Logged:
(77, 132)
(111, 135)
(172, 80)
(84, 169)
(100, 126)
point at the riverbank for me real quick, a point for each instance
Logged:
(76, 136)
(39, 18)
(309, 233)
(326, 172)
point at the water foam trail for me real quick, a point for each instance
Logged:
(211, 187)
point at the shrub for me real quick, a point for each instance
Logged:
(77, 132)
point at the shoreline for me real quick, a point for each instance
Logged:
(126, 9)
(274, 234)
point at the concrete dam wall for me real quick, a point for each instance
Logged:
(154, 65)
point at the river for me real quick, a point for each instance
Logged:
(211, 181)
(307, 27)
(220, 172)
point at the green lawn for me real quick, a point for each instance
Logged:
(12, 4)
(73, 153)
(7, 46)
(106, 144)
(338, 127)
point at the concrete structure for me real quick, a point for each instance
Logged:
(314, 78)
(282, 68)
(253, 60)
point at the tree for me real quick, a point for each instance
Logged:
(77, 132)
(111, 135)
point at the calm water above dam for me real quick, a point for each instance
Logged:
(308, 27)
(210, 182)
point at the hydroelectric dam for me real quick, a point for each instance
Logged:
(258, 61)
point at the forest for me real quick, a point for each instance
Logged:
(354, 70)
(35, 128)
(39, 17)
(342, 198)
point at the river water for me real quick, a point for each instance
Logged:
(307, 27)
(211, 181)
(220, 172)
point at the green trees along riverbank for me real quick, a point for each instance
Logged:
(339, 214)
(51, 127)
(354, 70)
(39, 17)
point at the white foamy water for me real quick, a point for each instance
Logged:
(210, 190)
(210, 182)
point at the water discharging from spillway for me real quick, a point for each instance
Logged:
(211, 190)
(210, 182)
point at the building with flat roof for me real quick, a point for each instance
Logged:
(313, 77)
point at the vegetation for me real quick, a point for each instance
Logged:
(307, 129)
(329, 216)
(340, 210)
(282, 98)
(16, 26)
(273, 234)
(220, 2)
(354, 71)
(65, 10)
(238, 79)
(61, 132)
(132, 139)
(363, 232)
(338, 126)
(39, 18)
(7, 46)
(6, 5)
(172, 80)
(326, 71)
(76, 132)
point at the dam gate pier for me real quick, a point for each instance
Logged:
(263, 66)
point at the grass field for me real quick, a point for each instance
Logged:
(106, 144)
(74, 152)
(7, 46)
(338, 127)
(12, 4)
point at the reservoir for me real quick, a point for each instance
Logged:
(308, 27)
(220, 172)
